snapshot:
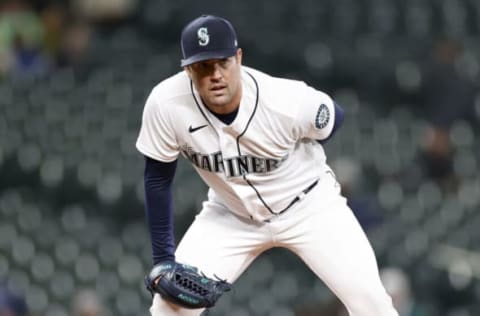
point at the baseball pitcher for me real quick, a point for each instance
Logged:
(256, 141)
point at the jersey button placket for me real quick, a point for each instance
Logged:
(228, 146)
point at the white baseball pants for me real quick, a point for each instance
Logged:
(322, 231)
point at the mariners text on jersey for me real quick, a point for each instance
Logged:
(233, 166)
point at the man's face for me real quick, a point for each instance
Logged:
(218, 82)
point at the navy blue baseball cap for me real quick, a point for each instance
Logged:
(208, 37)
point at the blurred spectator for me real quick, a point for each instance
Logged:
(397, 284)
(87, 303)
(105, 10)
(11, 304)
(21, 41)
(448, 96)
(54, 18)
(449, 90)
(436, 156)
(363, 203)
(75, 44)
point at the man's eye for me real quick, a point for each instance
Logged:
(200, 67)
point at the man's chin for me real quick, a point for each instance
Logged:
(218, 101)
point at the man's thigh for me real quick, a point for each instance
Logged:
(332, 243)
(219, 244)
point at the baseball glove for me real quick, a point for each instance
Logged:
(183, 285)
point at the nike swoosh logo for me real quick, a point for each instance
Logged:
(194, 129)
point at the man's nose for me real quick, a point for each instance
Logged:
(216, 72)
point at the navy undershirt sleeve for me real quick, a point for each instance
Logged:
(158, 178)
(339, 117)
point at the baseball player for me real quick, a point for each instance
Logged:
(256, 141)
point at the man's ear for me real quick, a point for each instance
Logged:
(239, 56)
(188, 71)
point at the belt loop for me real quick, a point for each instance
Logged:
(302, 195)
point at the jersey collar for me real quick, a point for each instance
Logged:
(246, 110)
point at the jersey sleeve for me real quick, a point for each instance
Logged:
(157, 136)
(315, 117)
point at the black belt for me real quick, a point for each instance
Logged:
(297, 198)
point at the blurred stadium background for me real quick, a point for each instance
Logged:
(74, 76)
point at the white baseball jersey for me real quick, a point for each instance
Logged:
(258, 165)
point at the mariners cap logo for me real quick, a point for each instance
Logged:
(203, 36)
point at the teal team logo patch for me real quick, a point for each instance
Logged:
(323, 116)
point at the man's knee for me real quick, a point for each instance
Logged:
(370, 301)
